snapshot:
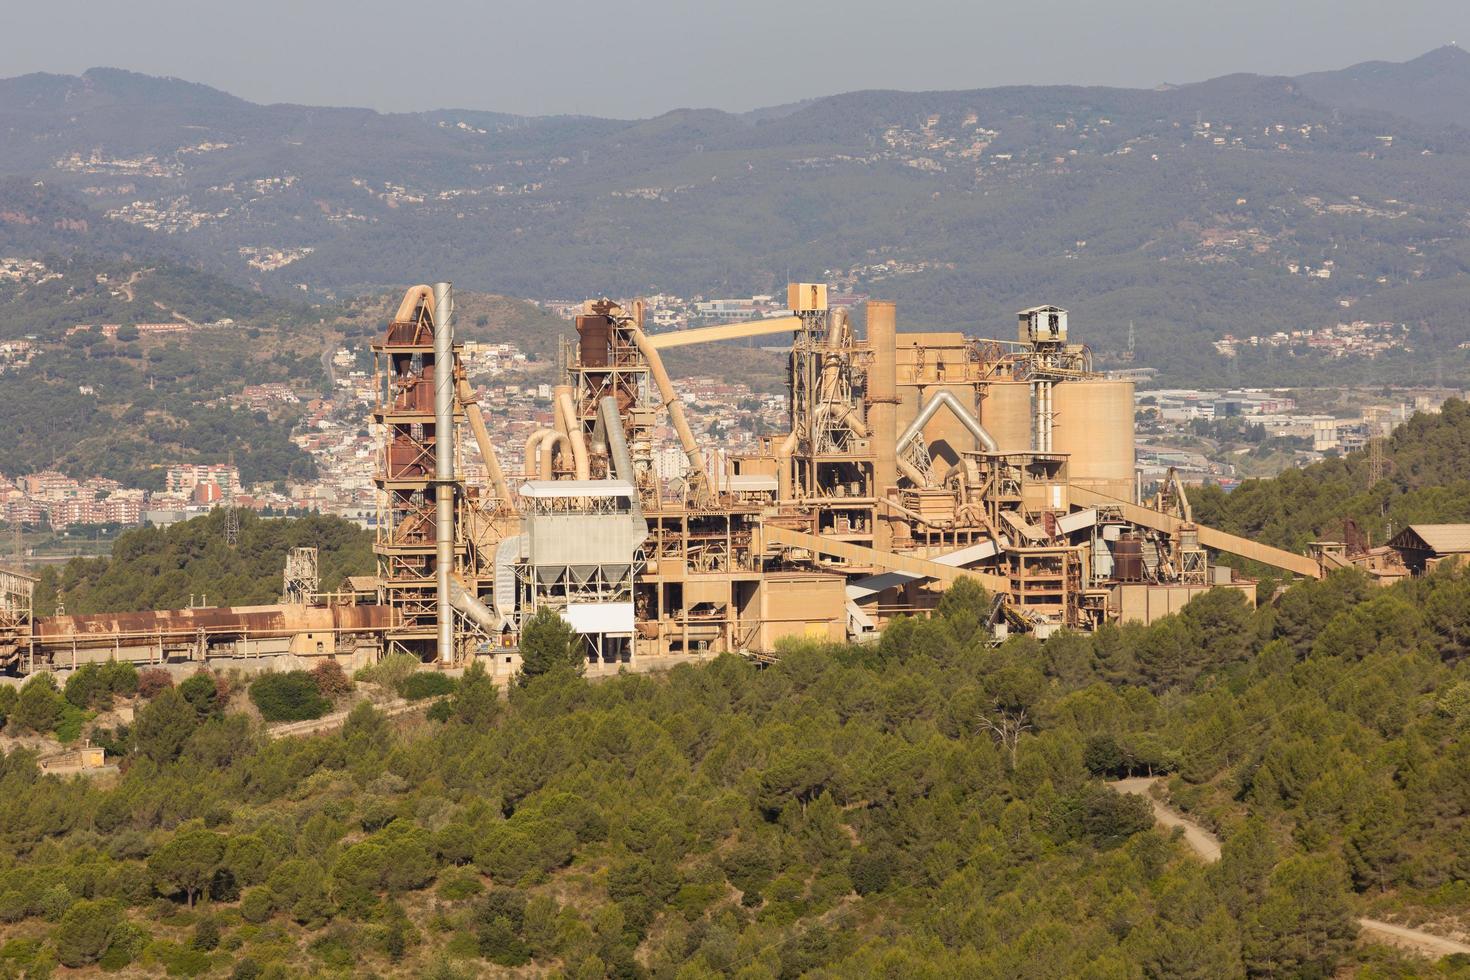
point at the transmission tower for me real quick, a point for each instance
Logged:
(232, 526)
(1375, 460)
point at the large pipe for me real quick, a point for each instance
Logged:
(911, 471)
(472, 607)
(946, 399)
(883, 408)
(482, 439)
(573, 429)
(548, 452)
(443, 298)
(837, 328)
(411, 300)
(785, 478)
(844, 415)
(1042, 427)
(617, 441)
(698, 476)
(533, 443)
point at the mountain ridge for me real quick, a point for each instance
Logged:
(1242, 203)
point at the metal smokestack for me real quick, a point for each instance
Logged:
(444, 464)
(883, 410)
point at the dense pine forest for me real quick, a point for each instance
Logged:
(927, 806)
(930, 805)
(1424, 482)
(162, 568)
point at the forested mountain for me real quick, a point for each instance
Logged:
(1424, 482)
(926, 807)
(1432, 88)
(1244, 204)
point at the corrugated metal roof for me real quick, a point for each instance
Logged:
(1444, 539)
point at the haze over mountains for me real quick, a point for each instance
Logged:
(1245, 204)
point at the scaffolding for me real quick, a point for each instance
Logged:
(17, 617)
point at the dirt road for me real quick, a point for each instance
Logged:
(1207, 846)
(327, 723)
(1200, 840)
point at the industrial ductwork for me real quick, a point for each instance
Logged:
(472, 608)
(482, 439)
(617, 442)
(945, 399)
(698, 475)
(566, 412)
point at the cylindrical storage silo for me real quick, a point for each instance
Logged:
(1092, 422)
(1005, 411)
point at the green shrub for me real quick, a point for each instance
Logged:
(164, 725)
(180, 961)
(203, 692)
(38, 708)
(206, 935)
(459, 883)
(86, 686)
(69, 723)
(86, 930)
(256, 905)
(291, 696)
(427, 685)
(440, 711)
(391, 671)
(121, 677)
(8, 696)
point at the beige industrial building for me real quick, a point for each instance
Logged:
(910, 460)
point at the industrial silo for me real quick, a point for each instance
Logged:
(1005, 411)
(1092, 422)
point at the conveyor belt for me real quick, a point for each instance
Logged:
(1208, 536)
(917, 567)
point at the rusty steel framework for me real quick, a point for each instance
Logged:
(17, 617)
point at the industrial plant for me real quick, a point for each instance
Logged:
(911, 460)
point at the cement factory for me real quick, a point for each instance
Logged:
(911, 460)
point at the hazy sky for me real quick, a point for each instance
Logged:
(612, 58)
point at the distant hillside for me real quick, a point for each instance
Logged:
(1432, 88)
(121, 406)
(1425, 481)
(477, 316)
(1244, 204)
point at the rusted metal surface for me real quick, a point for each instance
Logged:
(215, 622)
